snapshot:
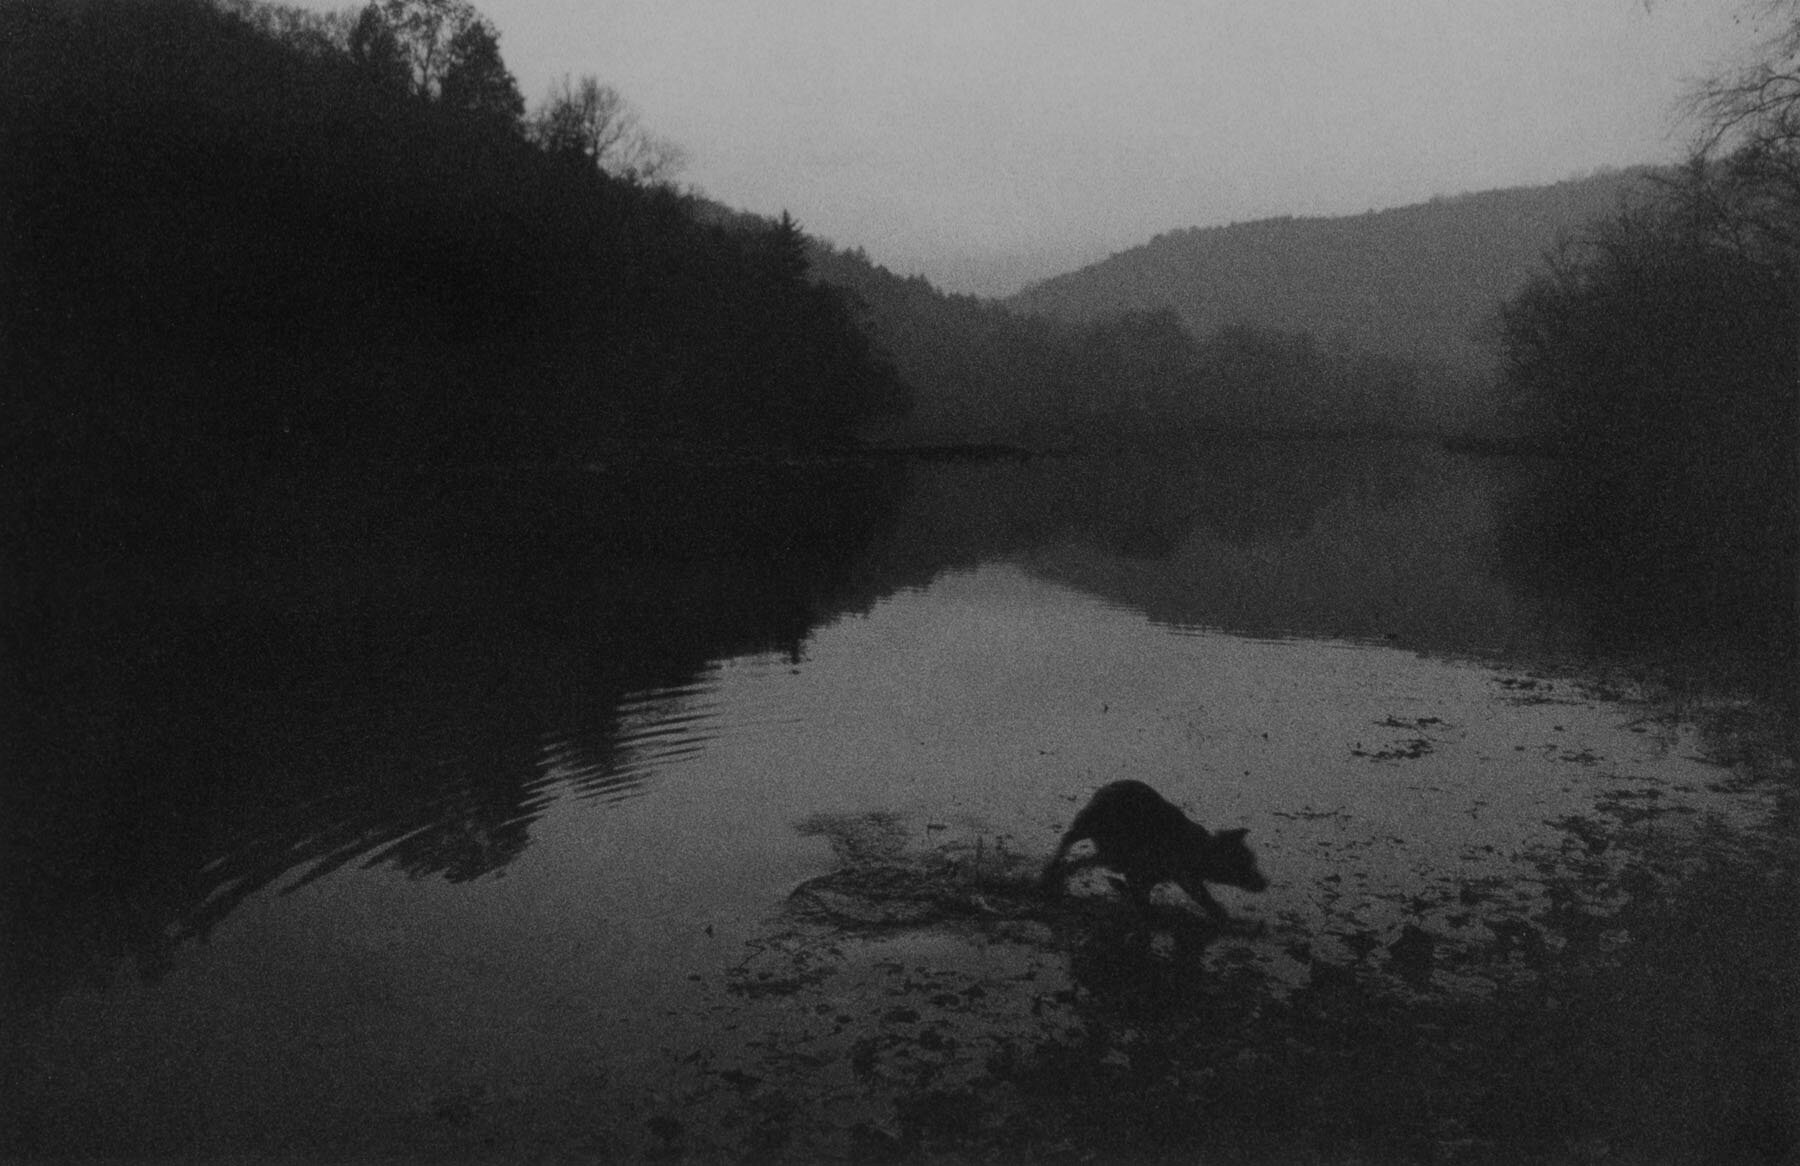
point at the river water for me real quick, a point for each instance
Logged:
(478, 856)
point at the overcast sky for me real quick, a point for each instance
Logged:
(984, 141)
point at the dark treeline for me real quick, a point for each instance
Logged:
(979, 369)
(1657, 355)
(249, 237)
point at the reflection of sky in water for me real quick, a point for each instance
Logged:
(988, 704)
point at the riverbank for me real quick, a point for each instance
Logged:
(1642, 1012)
(1618, 989)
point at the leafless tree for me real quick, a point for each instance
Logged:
(595, 124)
(1743, 179)
(1756, 101)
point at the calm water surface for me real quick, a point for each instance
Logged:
(469, 866)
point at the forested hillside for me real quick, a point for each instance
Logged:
(980, 370)
(1383, 322)
(1422, 282)
(240, 234)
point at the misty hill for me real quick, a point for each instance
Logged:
(1419, 281)
(979, 370)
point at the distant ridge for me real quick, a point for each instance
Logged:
(1420, 281)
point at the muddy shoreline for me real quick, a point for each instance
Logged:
(922, 1002)
(1511, 917)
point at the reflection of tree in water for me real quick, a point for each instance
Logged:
(1358, 539)
(1245, 495)
(1680, 547)
(189, 746)
(1142, 503)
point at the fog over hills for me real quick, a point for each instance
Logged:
(1419, 281)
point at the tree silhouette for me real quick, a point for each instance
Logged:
(1745, 181)
(787, 248)
(1659, 356)
(375, 49)
(594, 127)
(450, 53)
(476, 80)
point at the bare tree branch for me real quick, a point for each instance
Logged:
(594, 124)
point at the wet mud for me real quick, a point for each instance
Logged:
(1617, 992)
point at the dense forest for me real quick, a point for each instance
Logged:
(242, 235)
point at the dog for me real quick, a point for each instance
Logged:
(1147, 839)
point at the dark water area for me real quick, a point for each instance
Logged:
(373, 669)
(386, 816)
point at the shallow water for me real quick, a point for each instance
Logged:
(577, 917)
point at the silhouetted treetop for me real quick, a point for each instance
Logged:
(239, 234)
(375, 48)
(592, 125)
(476, 81)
